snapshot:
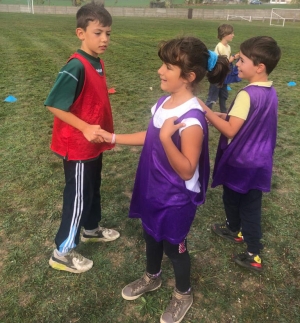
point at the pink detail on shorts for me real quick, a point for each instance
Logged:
(182, 247)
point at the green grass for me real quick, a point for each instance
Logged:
(32, 51)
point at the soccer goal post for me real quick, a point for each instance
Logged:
(280, 16)
(276, 19)
(27, 8)
(232, 17)
(30, 6)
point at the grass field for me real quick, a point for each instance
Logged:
(32, 50)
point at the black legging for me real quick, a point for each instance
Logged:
(177, 253)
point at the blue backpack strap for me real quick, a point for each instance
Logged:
(160, 101)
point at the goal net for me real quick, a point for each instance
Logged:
(280, 16)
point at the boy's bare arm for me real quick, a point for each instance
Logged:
(228, 128)
(87, 130)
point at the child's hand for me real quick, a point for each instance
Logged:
(221, 115)
(169, 128)
(106, 136)
(90, 135)
(237, 56)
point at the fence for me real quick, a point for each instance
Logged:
(204, 14)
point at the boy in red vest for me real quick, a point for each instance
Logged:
(80, 104)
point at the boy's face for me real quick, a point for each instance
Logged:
(228, 38)
(95, 38)
(248, 71)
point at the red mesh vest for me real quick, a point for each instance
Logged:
(93, 107)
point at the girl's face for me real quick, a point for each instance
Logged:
(170, 79)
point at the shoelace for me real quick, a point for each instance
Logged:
(141, 283)
(74, 254)
(104, 230)
(174, 306)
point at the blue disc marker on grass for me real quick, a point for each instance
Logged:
(10, 98)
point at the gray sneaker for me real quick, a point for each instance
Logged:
(140, 286)
(176, 310)
(102, 234)
(72, 262)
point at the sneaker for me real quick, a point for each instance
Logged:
(140, 286)
(222, 231)
(176, 310)
(101, 234)
(251, 262)
(72, 262)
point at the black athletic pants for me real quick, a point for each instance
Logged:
(243, 211)
(81, 201)
(178, 255)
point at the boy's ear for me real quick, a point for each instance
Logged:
(80, 33)
(261, 68)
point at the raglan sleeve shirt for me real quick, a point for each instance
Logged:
(241, 106)
(67, 86)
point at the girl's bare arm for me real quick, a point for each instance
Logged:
(184, 162)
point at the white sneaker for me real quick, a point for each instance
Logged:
(102, 234)
(72, 262)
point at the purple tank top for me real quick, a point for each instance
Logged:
(246, 162)
(160, 198)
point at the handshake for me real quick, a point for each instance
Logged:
(96, 135)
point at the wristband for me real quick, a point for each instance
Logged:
(113, 138)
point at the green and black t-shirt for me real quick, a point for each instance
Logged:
(69, 82)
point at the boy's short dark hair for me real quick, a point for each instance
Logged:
(224, 30)
(262, 49)
(93, 12)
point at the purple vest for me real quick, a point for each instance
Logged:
(167, 208)
(246, 163)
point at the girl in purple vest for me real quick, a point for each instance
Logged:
(173, 171)
(245, 153)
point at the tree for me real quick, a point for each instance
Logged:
(169, 3)
(77, 3)
(297, 2)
